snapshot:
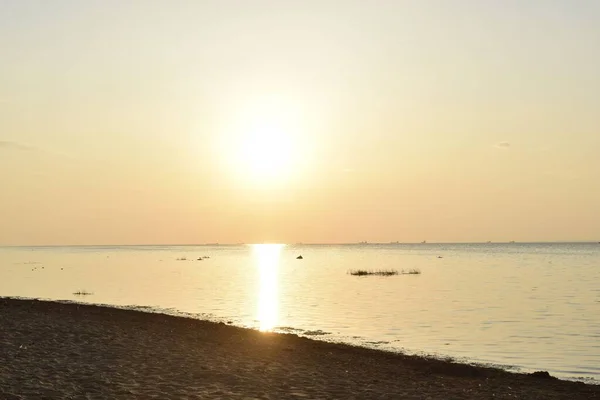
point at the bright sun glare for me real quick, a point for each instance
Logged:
(266, 152)
(267, 258)
(266, 143)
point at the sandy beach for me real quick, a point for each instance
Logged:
(68, 351)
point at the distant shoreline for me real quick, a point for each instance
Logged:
(298, 244)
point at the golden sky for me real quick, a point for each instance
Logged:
(140, 122)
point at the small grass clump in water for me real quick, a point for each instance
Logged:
(383, 272)
(379, 272)
(82, 293)
(412, 271)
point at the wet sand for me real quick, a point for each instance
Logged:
(68, 351)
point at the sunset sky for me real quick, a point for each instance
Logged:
(166, 122)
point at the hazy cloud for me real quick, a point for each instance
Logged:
(7, 144)
(502, 145)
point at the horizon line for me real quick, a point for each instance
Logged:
(300, 243)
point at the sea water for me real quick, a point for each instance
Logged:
(528, 306)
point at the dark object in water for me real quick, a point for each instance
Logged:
(440, 257)
(199, 259)
(299, 258)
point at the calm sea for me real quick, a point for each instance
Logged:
(527, 306)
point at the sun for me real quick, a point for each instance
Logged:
(266, 145)
(266, 152)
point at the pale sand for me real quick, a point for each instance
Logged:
(69, 351)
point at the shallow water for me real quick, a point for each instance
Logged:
(531, 306)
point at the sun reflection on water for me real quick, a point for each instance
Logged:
(267, 258)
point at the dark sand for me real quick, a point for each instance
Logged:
(69, 351)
